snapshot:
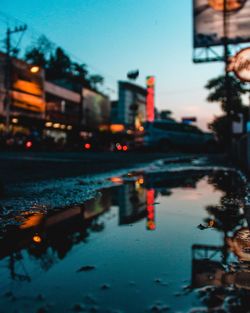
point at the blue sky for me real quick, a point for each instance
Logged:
(115, 36)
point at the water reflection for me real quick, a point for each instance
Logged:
(221, 274)
(219, 271)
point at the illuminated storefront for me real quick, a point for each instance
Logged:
(26, 95)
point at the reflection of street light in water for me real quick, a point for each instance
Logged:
(37, 239)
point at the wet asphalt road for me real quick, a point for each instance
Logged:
(17, 167)
(172, 239)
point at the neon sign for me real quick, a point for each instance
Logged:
(150, 98)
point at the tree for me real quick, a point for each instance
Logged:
(39, 52)
(96, 80)
(59, 65)
(221, 125)
(80, 74)
(218, 93)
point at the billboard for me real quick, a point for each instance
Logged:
(209, 22)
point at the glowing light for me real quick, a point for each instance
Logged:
(141, 181)
(69, 127)
(87, 146)
(35, 69)
(48, 124)
(63, 126)
(118, 147)
(37, 239)
(56, 125)
(32, 221)
(141, 128)
(115, 128)
(117, 180)
(28, 144)
(150, 99)
(151, 225)
(231, 5)
(124, 148)
(14, 120)
(150, 210)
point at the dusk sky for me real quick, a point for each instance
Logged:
(115, 36)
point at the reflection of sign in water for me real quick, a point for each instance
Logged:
(150, 209)
(209, 20)
(240, 65)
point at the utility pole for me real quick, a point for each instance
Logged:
(7, 100)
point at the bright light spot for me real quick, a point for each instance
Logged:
(56, 125)
(14, 120)
(48, 124)
(124, 148)
(141, 128)
(63, 126)
(37, 239)
(69, 127)
(28, 144)
(87, 146)
(35, 69)
(141, 181)
(118, 146)
(151, 225)
(117, 180)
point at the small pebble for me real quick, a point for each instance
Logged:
(105, 287)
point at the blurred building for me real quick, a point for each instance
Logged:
(130, 109)
(96, 110)
(54, 108)
(63, 111)
(26, 96)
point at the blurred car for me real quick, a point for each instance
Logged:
(164, 135)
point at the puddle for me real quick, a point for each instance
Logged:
(171, 242)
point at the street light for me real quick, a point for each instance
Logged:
(34, 69)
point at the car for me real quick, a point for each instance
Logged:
(165, 135)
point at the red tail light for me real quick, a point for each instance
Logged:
(87, 146)
(125, 148)
(118, 147)
(28, 144)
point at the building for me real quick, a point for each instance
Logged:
(25, 96)
(63, 111)
(96, 110)
(56, 109)
(131, 107)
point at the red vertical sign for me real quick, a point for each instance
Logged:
(150, 209)
(150, 98)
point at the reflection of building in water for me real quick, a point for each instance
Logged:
(52, 236)
(131, 199)
(207, 268)
(135, 203)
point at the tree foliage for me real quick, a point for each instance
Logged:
(221, 125)
(59, 66)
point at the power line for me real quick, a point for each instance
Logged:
(36, 34)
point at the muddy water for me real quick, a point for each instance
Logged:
(153, 243)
